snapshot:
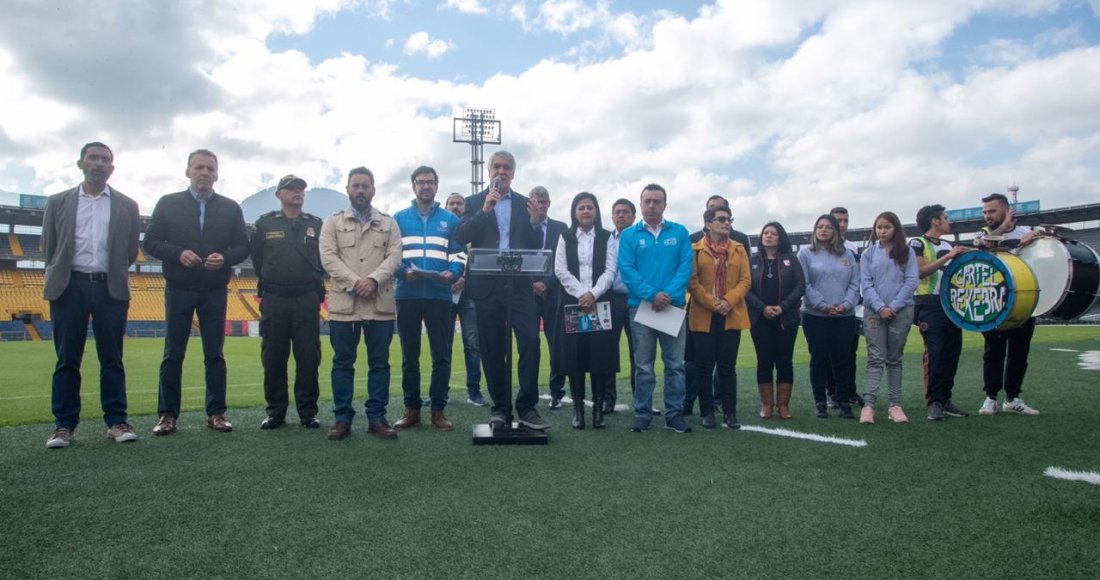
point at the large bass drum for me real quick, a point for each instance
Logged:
(984, 290)
(1068, 273)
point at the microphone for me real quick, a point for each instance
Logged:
(497, 184)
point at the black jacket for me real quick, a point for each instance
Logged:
(479, 230)
(174, 227)
(792, 285)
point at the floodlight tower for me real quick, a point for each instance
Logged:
(477, 127)
(1013, 193)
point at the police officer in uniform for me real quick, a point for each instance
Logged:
(288, 265)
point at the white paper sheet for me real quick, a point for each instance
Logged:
(668, 321)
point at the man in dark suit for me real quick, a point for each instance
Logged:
(546, 294)
(501, 219)
(90, 235)
(199, 236)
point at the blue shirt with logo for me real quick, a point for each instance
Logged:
(651, 264)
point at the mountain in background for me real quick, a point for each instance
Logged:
(320, 202)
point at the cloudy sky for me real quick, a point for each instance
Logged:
(787, 107)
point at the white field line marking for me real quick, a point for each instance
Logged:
(1069, 475)
(1063, 350)
(1090, 360)
(806, 436)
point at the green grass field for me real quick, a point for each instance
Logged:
(961, 498)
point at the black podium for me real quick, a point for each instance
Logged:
(515, 266)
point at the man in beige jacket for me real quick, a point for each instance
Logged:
(360, 249)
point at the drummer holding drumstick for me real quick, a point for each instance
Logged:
(1006, 351)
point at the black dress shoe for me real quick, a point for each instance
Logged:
(311, 423)
(846, 412)
(578, 418)
(608, 407)
(822, 410)
(689, 410)
(272, 422)
(555, 403)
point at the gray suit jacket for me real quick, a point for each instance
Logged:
(59, 241)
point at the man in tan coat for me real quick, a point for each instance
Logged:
(360, 249)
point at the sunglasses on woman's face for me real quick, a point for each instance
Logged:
(722, 219)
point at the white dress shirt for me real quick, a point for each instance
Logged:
(576, 287)
(93, 222)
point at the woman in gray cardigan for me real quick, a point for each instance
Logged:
(828, 312)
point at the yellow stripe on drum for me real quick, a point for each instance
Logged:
(1025, 287)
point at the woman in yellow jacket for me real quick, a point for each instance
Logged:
(719, 282)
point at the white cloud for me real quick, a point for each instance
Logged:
(467, 6)
(422, 43)
(787, 106)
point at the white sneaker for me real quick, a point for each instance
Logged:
(1018, 405)
(989, 407)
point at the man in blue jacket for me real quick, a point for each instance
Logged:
(655, 262)
(431, 259)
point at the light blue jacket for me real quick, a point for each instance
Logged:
(650, 265)
(428, 242)
(884, 283)
(830, 280)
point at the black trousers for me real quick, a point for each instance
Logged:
(942, 347)
(620, 322)
(436, 317)
(717, 346)
(548, 313)
(774, 342)
(830, 341)
(1005, 359)
(492, 312)
(286, 323)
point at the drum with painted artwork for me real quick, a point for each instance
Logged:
(1068, 274)
(988, 290)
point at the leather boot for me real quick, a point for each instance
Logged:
(439, 421)
(409, 419)
(767, 392)
(576, 388)
(783, 400)
(599, 393)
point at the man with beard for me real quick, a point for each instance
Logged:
(500, 219)
(1005, 360)
(431, 260)
(90, 234)
(198, 235)
(361, 250)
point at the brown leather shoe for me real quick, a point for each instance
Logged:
(166, 425)
(382, 430)
(339, 431)
(217, 422)
(439, 421)
(411, 418)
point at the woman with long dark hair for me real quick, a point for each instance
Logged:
(888, 279)
(828, 312)
(586, 264)
(777, 289)
(719, 283)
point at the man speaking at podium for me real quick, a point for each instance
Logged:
(500, 219)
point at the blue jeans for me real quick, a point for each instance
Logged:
(180, 306)
(69, 313)
(645, 354)
(344, 337)
(467, 316)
